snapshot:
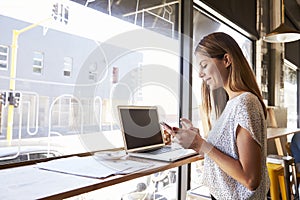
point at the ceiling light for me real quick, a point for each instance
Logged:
(282, 33)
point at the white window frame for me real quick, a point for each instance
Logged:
(68, 66)
(38, 69)
(5, 54)
(93, 72)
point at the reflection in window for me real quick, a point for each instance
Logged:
(84, 104)
(38, 62)
(290, 93)
(159, 16)
(3, 57)
(157, 186)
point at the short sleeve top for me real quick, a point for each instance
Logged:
(246, 111)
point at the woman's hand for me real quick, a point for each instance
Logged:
(187, 124)
(189, 139)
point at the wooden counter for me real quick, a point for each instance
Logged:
(33, 183)
(277, 133)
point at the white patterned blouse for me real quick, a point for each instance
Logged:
(244, 110)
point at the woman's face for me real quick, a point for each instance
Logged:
(212, 71)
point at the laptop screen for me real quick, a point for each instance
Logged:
(140, 127)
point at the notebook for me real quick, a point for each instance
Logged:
(143, 135)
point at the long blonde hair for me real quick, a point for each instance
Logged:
(241, 76)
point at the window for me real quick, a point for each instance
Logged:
(68, 66)
(38, 62)
(3, 56)
(290, 93)
(105, 67)
(93, 72)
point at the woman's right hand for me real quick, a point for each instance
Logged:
(188, 138)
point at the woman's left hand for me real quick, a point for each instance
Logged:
(187, 124)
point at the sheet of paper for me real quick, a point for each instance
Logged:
(52, 177)
(82, 166)
(29, 182)
(92, 166)
(125, 166)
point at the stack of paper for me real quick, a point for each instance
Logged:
(90, 166)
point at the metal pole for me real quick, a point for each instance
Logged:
(12, 80)
(185, 98)
(12, 84)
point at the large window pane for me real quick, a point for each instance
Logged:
(117, 54)
(112, 53)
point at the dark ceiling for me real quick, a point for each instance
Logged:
(292, 11)
(119, 8)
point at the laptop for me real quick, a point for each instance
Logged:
(143, 135)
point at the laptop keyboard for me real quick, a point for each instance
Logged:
(160, 150)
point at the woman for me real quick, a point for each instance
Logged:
(235, 150)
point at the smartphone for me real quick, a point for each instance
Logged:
(164, 124)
